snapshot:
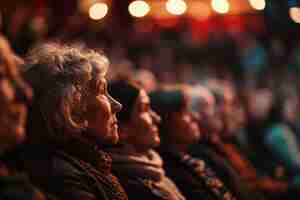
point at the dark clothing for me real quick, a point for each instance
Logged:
(194, 177)
(18, 187)
(145, 189)
(75, 170)
(15, 185)
(226, 173)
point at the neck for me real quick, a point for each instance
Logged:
(140, 149)
(176, 147)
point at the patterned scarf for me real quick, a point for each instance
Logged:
(207, 176)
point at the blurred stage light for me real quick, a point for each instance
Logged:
(199, 10)
(138, 8)
(176, 7)
(220, 6)
(295, 14)
(258, 4)
(98, 11)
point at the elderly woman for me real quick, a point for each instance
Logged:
(179, 129)
(137, 165)
(14, 94)
(71, 117)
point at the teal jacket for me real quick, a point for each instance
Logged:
(282, 142)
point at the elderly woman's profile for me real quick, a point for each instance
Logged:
(70, 118)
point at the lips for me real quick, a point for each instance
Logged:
(114, 124)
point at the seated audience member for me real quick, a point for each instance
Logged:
(279, 139)
(71, 117)
(232, 117)
(136, 164)
(14, 94)
(179, 129)
(206, 105)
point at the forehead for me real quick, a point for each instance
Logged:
(100, 66)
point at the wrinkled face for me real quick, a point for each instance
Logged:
(142, 126)
(12, 115)
(102, 109)
(183, 127)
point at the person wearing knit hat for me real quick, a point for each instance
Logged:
(138, 167)
(179, 129)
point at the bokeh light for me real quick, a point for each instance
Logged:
(258, 4)
(139, 8)
(220, 6)
(199, 10)
(98, 11)
(176, 7)
(295, 14)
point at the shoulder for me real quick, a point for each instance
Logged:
(18, 187)
(275, 134)
(63, 165)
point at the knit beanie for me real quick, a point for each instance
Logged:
(167, 101)
(126, 93)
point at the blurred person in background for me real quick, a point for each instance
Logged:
(147, 79)
(215, 108)
(71, 118)
(279, 138)
(232, 143)
(179, 129)
(15, 94)
(137, 165)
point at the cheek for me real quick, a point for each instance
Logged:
(6, 91)
(144, 121)
(103, 108)
(99, 113)
(178, 125)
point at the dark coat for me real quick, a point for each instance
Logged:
(74, 170)
(145, 189)
(228, 175)
(18, 187)
(194, 177)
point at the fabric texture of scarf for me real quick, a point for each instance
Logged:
(147, 167)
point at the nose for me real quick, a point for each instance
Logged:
(156, 118)
(195, 116)
(115, 105)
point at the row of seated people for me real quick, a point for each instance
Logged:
(90, 139)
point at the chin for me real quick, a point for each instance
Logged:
(156, 142)
(112, 138)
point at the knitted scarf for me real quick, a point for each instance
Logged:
(147, 167)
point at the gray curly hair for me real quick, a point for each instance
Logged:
(62, 78)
